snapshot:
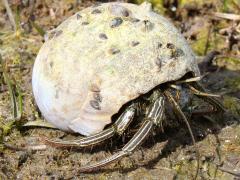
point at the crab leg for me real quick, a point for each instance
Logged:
(200, 93)
(212, 100)
(117, 128)
(155, 110)
(180, 112)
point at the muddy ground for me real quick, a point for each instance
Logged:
(165, 155)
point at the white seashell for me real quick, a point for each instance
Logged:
(81, 80)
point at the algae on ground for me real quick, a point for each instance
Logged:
(232, 104)
(231, 63)
(234, 83)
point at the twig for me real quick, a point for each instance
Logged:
(39, 29)
(208, 39)
(41, 147)
(16, 100)
(10, 14)
(237, 174)
(229, 16)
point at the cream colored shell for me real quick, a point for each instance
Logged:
(103, 57)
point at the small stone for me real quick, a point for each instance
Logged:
(96, 11)
(103, 36)
(116, 22)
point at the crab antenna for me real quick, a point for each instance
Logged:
(177, 107)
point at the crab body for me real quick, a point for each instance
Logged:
(103, 57)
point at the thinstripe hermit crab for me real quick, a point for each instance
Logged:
(111, 56)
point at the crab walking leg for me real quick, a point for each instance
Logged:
(200, 93)
(177, 107)
(212, 100)
(155, 115)
(117, 128)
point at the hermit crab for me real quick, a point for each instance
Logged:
(104, 64)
